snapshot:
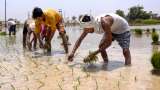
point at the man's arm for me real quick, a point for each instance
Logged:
(77, 44)
(37, 32)
(106, 41)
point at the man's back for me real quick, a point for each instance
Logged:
(52, 17)
(120, 25)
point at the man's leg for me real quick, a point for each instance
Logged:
(127, 56)
(14, 30)
(49, 37)
(25, 30)
(24, 40)
(63, 35)
(124, 41)
(29, 43)
(104, 43)
(104, 56)
(35, 40)
(10, 30)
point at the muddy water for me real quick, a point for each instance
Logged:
(24, 70)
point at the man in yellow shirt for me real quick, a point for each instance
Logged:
(52, 20)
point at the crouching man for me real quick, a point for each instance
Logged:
(113, 26)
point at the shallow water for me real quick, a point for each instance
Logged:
(24, 70)
(147, 27)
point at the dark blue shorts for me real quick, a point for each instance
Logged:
(123, 39)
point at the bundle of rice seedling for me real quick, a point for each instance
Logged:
(155, 37)
(92, 57)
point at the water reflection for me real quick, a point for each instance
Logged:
(155, 48)
(138, 36)
(147, 33)
(155, 72)
(110, 66)
(11, 40)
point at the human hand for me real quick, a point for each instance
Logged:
(70, 57)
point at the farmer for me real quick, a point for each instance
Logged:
(28, 29)
(113, 26)
(52, 20)
(11, 26)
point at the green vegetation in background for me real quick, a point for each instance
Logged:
(153, 30)
(151, 21)
(138, 16)
(137, 12)
(144, 22)
(120, 13)
(155, 60)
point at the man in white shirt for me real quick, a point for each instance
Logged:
(113, 26)
(11, 26)
(29, 36)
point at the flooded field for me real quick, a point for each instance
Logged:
(24, 70)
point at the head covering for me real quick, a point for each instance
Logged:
(86, 21)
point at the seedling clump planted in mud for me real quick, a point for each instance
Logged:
(155, 37)
(138, 31)
(155, 60)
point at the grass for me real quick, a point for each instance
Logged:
(153, 30)
(3, 33)
(145, 22)
(155, 60)
(150, 21)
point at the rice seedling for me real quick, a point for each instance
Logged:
(153, 30)
(72, 71)
(78, 79)
(148, 30)
(75, 87)
(60, 86)
(56, 67)
(13, 88)
(41, 84)
(118, 84)
(138, 31)
(96, 84)
(92, 57)
(26, 78)
(135, 78)
(155, 60)
(155, 37)
(88, 74)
